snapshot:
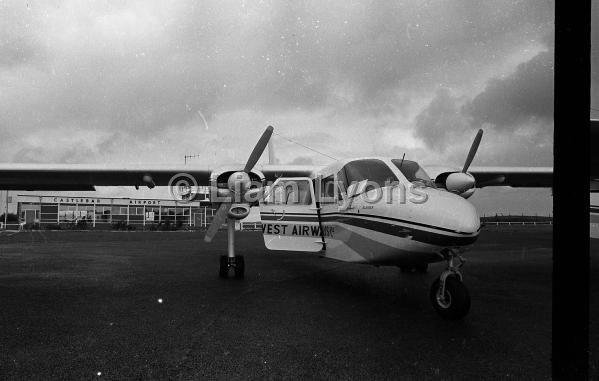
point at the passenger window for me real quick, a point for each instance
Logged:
(276, 195)
(328, 186)
(325, 188)
(290, 192)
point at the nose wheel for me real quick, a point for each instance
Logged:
(448, 295)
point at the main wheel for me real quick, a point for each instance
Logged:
(455, 303)
(223, 272)
(239, 267)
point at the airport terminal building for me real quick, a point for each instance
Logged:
(102, 212)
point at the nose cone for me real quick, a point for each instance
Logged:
(466, 218)
(452, 212)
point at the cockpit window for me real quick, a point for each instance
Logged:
(413, 172)
(373, 170)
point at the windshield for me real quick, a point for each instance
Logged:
(373, 170)
(413, 172)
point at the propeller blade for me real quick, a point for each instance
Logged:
(217, 221)
(473, 149)
(258, 149)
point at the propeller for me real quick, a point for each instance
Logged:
(237, 183)
(463, 183)
(217, 221)
(473, 149)
(258, 149)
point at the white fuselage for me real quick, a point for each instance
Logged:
(400, 232)
(389, 225)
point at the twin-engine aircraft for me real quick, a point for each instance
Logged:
(378, 211)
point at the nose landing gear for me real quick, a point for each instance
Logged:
(448, 295)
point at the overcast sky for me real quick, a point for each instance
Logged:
(148, 82)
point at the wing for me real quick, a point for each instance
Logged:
(272, 172)
(502, 176)
(541, 177)
(86, 177)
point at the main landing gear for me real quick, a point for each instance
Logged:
(236, 263)
(449, 296)
(231, 261)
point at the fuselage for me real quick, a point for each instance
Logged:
(371, 210)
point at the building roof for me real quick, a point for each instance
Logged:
(62, 199)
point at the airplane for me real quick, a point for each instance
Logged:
(376, 210)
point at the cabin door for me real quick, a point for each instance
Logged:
(290, 219)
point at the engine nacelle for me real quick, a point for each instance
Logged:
(239, 182)
(228, 181)
(147, 180)
(460, 183)
(239, 211)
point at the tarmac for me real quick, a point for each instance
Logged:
(150, 305)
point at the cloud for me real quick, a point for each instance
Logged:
(441, 118)
(525, 94)
(519, 103)
(128, 81)
(302, 160)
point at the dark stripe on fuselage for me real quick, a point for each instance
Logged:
(362, 215)
(424, 236)
(400, 221)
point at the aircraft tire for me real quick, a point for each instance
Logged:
(239, 267)
(457, 299)
(223, 271)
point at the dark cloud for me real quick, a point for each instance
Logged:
(525, 94)
(440, 119)
(520, 100)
